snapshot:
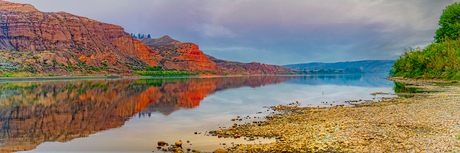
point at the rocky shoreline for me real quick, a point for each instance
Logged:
(422, 123)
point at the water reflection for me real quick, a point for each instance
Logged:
(35, 112)
(407, 91)
(362, 80)
(167, 109)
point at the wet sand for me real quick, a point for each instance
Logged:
(423, 123)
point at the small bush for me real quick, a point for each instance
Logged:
(162, 73)
(154, 68)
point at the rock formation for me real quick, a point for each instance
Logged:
(184, 56)
(23, 28)
(62, 43)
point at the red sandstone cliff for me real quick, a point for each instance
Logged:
(23, 28)
(62, 43)
(184, 56)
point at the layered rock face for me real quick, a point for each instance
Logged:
(23, 28)
(83, 46)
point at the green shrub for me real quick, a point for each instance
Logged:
(154, 68)
(162, 73)
(438, 60)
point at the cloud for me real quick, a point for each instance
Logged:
(212, 30)
(272, 31)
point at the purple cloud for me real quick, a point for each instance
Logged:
(274, 32)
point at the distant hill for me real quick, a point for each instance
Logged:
(367, 66)
(232, 67)
(163, 40)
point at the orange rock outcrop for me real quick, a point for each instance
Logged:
(24, 28)
(196, 57)
(184, 57)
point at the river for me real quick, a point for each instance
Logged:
(132, 115)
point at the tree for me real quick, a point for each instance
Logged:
(148, 36)
(134, 35)
(449, 22)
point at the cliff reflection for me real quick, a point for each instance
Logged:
(36, 112)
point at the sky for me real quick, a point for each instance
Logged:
(273, 32)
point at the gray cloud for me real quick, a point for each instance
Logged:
(274, 32)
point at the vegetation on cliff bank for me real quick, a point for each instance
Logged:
(440, 59)
(52, 63)
(163, 73)
(158, 71)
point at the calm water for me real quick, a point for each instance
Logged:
(133, 115)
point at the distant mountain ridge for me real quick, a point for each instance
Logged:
(233, 67)
(162, 40)
(367, 66)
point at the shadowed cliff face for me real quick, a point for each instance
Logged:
(23, 28)
(36, 112)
